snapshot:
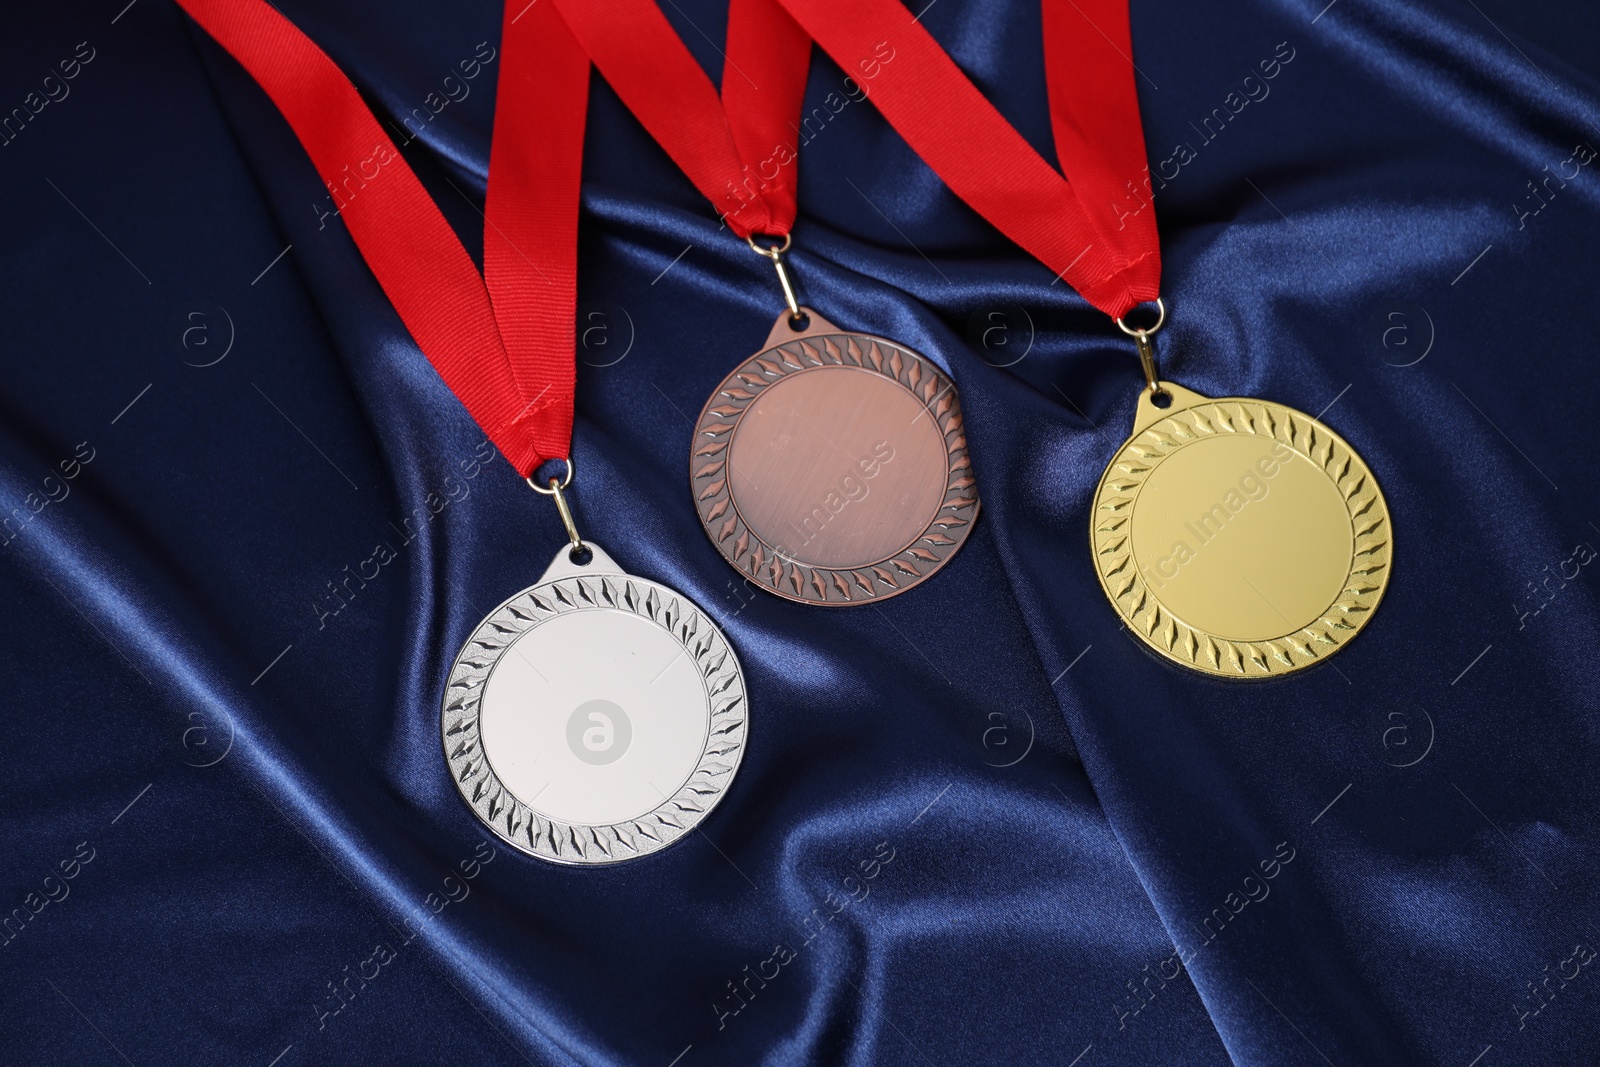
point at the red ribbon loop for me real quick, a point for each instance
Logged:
(504, 341)
(1090, 231)
(737, 148)
(504, 346)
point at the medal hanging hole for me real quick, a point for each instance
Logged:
(1161, 398)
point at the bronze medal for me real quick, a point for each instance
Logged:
(831, 467)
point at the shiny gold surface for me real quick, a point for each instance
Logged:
(1239, 537)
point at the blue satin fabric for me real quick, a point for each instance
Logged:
(975, 824)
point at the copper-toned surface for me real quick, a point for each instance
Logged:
(837, 467)
(831, 467)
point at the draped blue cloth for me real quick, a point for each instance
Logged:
(247, 529)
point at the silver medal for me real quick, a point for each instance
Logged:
(594, 717)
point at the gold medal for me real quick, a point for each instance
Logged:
(1238, 537)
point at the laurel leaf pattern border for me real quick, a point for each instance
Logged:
(1111, 540)
(576, 843)
(789, 578)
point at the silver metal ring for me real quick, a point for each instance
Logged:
(1161, 319)
(552, 491)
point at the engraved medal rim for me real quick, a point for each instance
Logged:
(494, 817)
(1267, 664)
(868, 584)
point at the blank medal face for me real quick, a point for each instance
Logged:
(817, 477)
(831, 468)
(1240, 537)
(594, 717)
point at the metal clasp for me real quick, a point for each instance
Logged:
(1147, 351)
(775, 253)
(561, 504)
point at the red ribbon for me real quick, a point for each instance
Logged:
(1089, 226)
(726, 144)
(1091, 232)
(504, 341)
